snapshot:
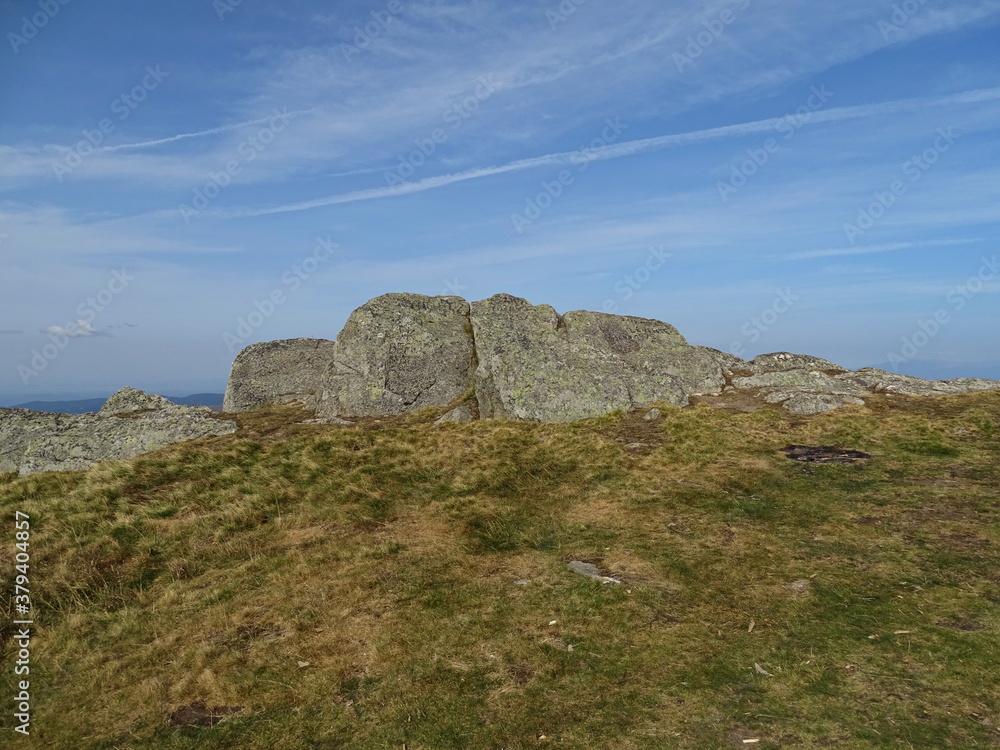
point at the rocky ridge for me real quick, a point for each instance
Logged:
(504, 357)
(129, 424)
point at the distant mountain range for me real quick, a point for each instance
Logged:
(84, 405)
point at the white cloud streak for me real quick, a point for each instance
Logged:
(631, 148)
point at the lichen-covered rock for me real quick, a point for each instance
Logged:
(777, 361)
(18, 427)
(129, 424)
(399, 353)
(804, 390)
(729, 363)
(278, 372)
(537, 365)
(402, 352)
(906, 385)
(129, 400)
(805, 403)
(805, 380)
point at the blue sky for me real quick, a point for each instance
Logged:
(180, 179)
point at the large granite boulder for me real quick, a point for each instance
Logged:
(399, 353)
(19, 427)
(402, 352)
(278, 372)
(129, 424)
(537, 365)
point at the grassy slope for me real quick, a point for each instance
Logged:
(386, 557)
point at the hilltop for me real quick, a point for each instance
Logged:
(400, 583)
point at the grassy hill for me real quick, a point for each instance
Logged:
(402, 584)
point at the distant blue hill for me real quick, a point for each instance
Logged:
(83, 405)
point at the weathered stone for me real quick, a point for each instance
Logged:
(800, 379)
(537, 365)
(35, 441)
(129, 400)
(589, 570)
(652, 414)
(459, 414)
(399, 353)
(18, 427)
(729, 363)
(890, 382)
(402, 352)
(278, 372)
(776, 361)
(816, 403)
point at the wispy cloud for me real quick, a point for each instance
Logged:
(79, 329)
(887, 247)
(632, 148)
(202, 133)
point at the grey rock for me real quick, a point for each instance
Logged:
(402, 352)
(729, 363)
(128, 400)
(777, 361)
(653, 414)
(817, 403)
(399, 353)
(890, 382)
(18, 427)
(459, 414)
(590, 570)
(536, 365)
(800, 379)
(804, 391)
(129, 424)
(278, 372)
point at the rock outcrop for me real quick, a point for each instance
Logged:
(399, 353)
(278, 372)
(129, 424)
(508, 358)
(537, 365)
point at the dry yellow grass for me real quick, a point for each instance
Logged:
(405, 583)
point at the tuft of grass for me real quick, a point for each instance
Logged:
(404, 584)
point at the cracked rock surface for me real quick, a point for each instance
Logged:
(504, 357)
(129, 424)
